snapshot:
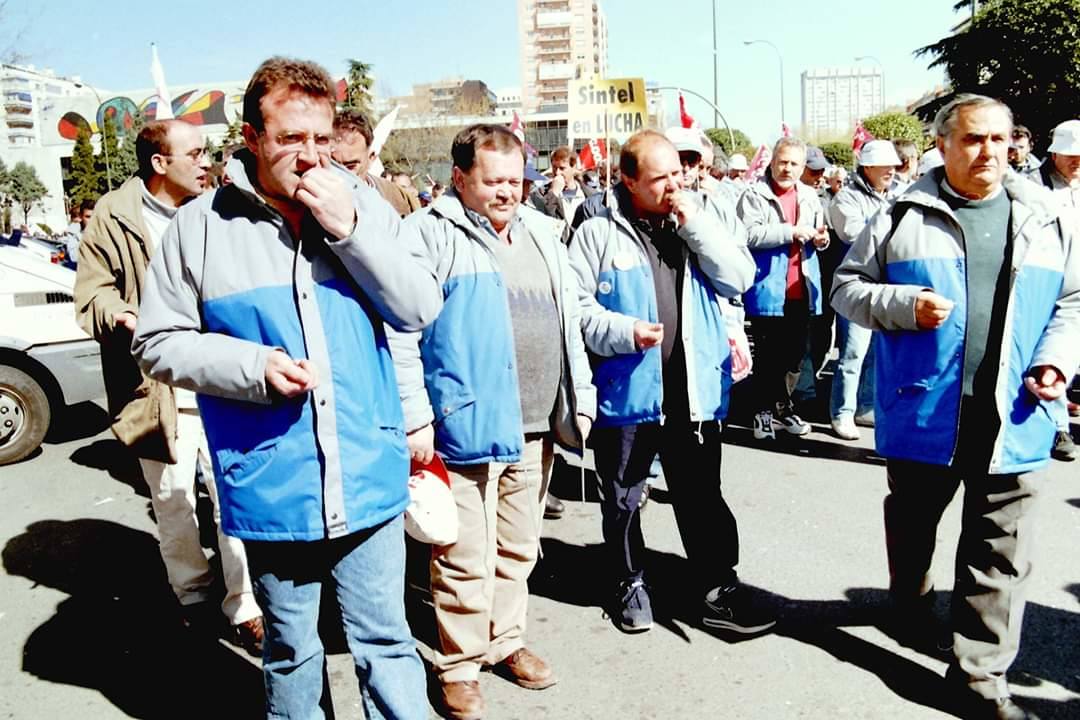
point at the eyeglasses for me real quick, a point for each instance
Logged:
(193, 155)
(296, 141)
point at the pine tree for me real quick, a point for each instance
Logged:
(110, 154)
(124, 163)
(358, 85)
(85, 176)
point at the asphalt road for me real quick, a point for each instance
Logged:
(89, 627)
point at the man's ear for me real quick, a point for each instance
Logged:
(251, 137)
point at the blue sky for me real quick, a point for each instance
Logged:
(200, 41)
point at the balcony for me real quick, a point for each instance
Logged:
(553, 19)
(556, 71)
(18, 122)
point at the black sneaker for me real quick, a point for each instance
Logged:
(730, 609)
(633, 611)
(1064, 447)
(785, 418)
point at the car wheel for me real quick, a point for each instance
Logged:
(24, 414)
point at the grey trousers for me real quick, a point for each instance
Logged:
(993, 560)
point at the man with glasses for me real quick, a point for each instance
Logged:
(161, 425)
(269, 299)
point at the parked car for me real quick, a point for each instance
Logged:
(47, 362)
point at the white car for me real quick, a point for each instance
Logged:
(47, 362)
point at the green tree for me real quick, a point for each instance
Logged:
(1024, 52)
(85, 177)
(358, 85)
(721, 139)
(26, 187)
(124, 163)
(896, 126)
(5, 217)
(234, 133)
(839, 153)
(109, 155)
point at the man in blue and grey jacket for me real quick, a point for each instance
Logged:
(268, 299)
(652, 270)
(972, 283)
(490, 386)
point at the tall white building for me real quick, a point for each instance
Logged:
(835, 99)
(560, 40)
(29, 99)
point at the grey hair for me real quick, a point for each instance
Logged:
(792, 142)
(945, 120)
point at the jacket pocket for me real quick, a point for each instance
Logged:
(903, 394)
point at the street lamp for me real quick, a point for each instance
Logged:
(104, 145)
(882, 66)
(715, 71)
(779, 57)
(731, 135)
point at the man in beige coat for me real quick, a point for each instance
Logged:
(159, 424)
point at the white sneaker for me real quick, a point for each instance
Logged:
(845, 429)
(793, 423)
(763, 426)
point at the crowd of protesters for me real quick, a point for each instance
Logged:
(309, 334)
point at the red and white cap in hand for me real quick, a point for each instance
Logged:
(432, 513)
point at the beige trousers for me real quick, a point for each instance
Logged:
(480, 583)
(173, 496)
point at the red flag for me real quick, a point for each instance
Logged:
(757, 166)
(593, 155)
(785, 131)
(684, 117)
(518, 128)
(860, 138)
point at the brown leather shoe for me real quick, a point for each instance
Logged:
(249, 635)
(526, 669)
(461, 700)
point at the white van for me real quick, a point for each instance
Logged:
(46, 361)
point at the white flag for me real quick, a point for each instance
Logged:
(381, 132)
(164, 101)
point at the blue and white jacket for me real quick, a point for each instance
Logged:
(461, 372)
(230, 284)
(769, 239)
(616, 290)
(918, 245)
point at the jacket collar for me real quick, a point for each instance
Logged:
(763, 187)
(450, 207)
(1030, 201)
(127, 206)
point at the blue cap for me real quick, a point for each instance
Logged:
(532, 175)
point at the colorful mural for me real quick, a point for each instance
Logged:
(196, 106)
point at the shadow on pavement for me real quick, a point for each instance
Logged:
(77, 422)
(119, 632)
(829, 450)
(576, 575)
(112, 456)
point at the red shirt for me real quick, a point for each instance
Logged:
(789, 205)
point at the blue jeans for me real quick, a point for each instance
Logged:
(853, 383)
(367, 571)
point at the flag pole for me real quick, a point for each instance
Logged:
(607, 152)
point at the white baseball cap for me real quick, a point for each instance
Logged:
(432, 513)
(738, 162)
(684, 139)
(1066, 138)
(878, 153)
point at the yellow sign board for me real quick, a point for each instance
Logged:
(612, 107)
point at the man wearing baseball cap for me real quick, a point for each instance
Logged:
(870, 189)
(1061, 174)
